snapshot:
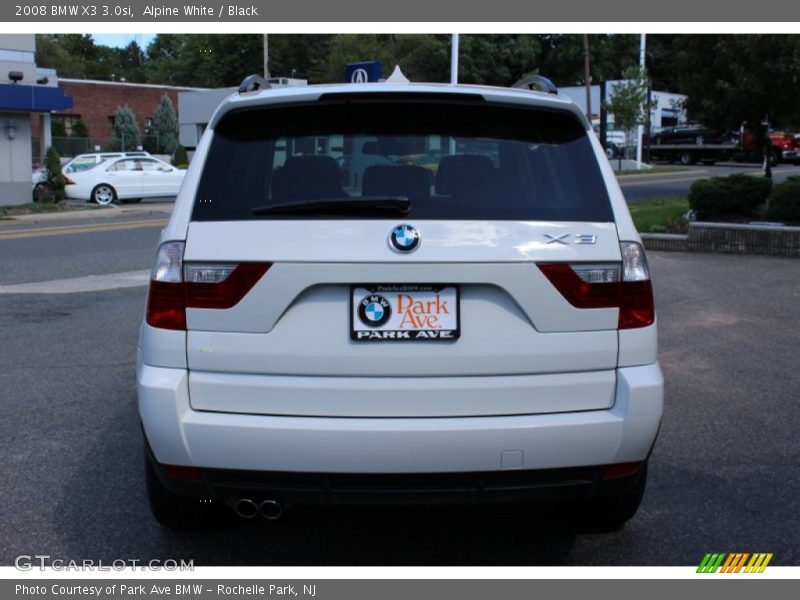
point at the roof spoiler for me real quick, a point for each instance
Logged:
(252, 83)
(536, 83)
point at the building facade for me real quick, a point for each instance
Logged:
(96, 102)
(666, 111)
(28, 97)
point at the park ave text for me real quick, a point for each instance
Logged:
(177, 589)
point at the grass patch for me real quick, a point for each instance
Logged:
(660, 215)
(31, 208)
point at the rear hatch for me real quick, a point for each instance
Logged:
(386, 256)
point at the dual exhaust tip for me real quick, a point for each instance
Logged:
(247, 508)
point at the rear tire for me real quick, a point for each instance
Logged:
(39, 191)
(173, 510)
(610, 513)
(103, 194)
(687, 158)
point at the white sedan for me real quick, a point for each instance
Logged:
(125, 179)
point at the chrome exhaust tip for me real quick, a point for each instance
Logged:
(270, 510)
(246, 508)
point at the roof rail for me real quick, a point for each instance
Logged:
(536, 83)
(252, 83)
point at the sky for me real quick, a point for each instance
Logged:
(120, 40)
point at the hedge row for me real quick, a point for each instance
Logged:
(737, 194)
(784, 202)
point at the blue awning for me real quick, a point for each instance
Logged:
(33, 98)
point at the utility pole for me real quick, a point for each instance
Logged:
(587, 76)
(767, 148)
(640, 129)
(266, 56)
(454, 59)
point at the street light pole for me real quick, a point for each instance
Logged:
(454, 59)
(640, 129)
(587, 78)
(266, 56)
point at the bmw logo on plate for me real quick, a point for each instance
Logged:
(404, 238)
(374, 310)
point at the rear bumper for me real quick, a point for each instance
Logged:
(78, 192)
(229, 486)
(179, 435)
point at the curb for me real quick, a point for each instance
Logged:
(95, 214)
(729, 238)
(667, 242)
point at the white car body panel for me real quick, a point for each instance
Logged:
(279, 288)
(126, 184)
(183, 436)
(338, 396)
(443, 241)
(275, 384)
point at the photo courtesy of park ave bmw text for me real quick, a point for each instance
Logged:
(369, 288)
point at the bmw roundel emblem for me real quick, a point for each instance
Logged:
(374, 310)
(404, 238)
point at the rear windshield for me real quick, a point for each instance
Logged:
(463, 160)
(81, 163)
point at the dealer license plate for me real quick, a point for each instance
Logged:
(404, 312)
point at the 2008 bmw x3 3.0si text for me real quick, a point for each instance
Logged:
(398, 293)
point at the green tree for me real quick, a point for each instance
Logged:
(181, 158)
(165, 126)
(420, 57)
(131, 61)
(204, 60)
(54, 177)
(731, 78)
(561, 57)
(496, 59)
(307, 55)
(126, 129)
(72, 55)
(58, 128)
(628, 102)
(51, 54)
(80, 129)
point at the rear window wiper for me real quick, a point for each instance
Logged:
(395, 205)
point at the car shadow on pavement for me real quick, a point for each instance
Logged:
(103, 515)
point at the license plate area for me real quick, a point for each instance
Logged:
(404, 312)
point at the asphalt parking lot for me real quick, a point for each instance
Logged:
(724, 474)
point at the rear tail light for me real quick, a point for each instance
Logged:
(175, 286)
(166, 302)
(68, 181)
(220, 286)
(625, 286)
(636, 307)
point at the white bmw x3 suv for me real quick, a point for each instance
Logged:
(398, 293)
